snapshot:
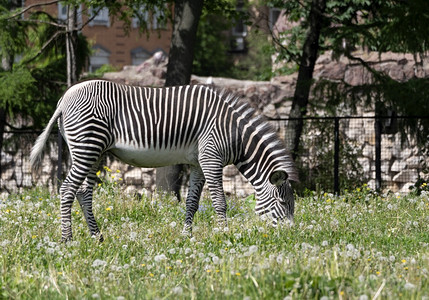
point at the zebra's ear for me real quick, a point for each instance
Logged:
(277, 178)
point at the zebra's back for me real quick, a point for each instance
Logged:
(152, 127)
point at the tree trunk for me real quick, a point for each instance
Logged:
(71, 39)
(305, 74)
(186, 17)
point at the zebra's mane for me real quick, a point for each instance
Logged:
(265, 130)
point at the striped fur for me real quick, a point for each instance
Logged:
(154, 127)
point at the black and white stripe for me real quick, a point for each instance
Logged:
(153, 127)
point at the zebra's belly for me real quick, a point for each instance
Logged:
(153, 158)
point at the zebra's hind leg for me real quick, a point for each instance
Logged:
(212, 169)
(84, 196)
(196, 184)
(81, 166)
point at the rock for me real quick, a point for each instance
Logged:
(415, 162)
(368, 151)
(365, 163)
(230, 171)
(406, 176)
(386, 155)
(398, 166)
(284, 110)
(333, 71)
(405, 153)
(27, 180)
(406, 188)
(6, 158)
(270, 111)
(133, 177)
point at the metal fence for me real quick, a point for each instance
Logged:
(336, 153)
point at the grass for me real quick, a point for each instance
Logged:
(357, 246)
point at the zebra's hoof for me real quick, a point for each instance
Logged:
(98, 236)
(187, 232)
(66, 240)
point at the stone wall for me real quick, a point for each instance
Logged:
(402, 163)
(16, 170)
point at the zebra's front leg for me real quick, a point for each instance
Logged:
(84, 196)
(196, 184)
(213, 173)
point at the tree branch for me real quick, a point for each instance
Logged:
(32, 6)
(90, 19)
(44, 22)
(44, 47)
(365, 64)
(295, 58)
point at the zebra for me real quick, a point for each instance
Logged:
(154, 127)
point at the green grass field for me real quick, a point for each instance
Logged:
(357, 246)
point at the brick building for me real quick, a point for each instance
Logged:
(110, 43)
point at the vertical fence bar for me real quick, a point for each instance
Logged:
(337, 157)
(60, 160)
(377, 127)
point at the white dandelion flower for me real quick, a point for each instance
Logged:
(99, 263)
(160, 257)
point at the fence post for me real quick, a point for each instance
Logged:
(60, 160)
(337, 156)
(377, 127)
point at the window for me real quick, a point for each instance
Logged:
(142, 14)
(154, 19)
(240, 29)
(158, 18)
(99, 58)
(102, 17)
(62, 12)
(273, 17)
(239, 32)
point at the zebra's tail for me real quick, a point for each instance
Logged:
(37, 150)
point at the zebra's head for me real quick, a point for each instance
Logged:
(275, 198)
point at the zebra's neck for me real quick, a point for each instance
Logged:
(262, 151)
